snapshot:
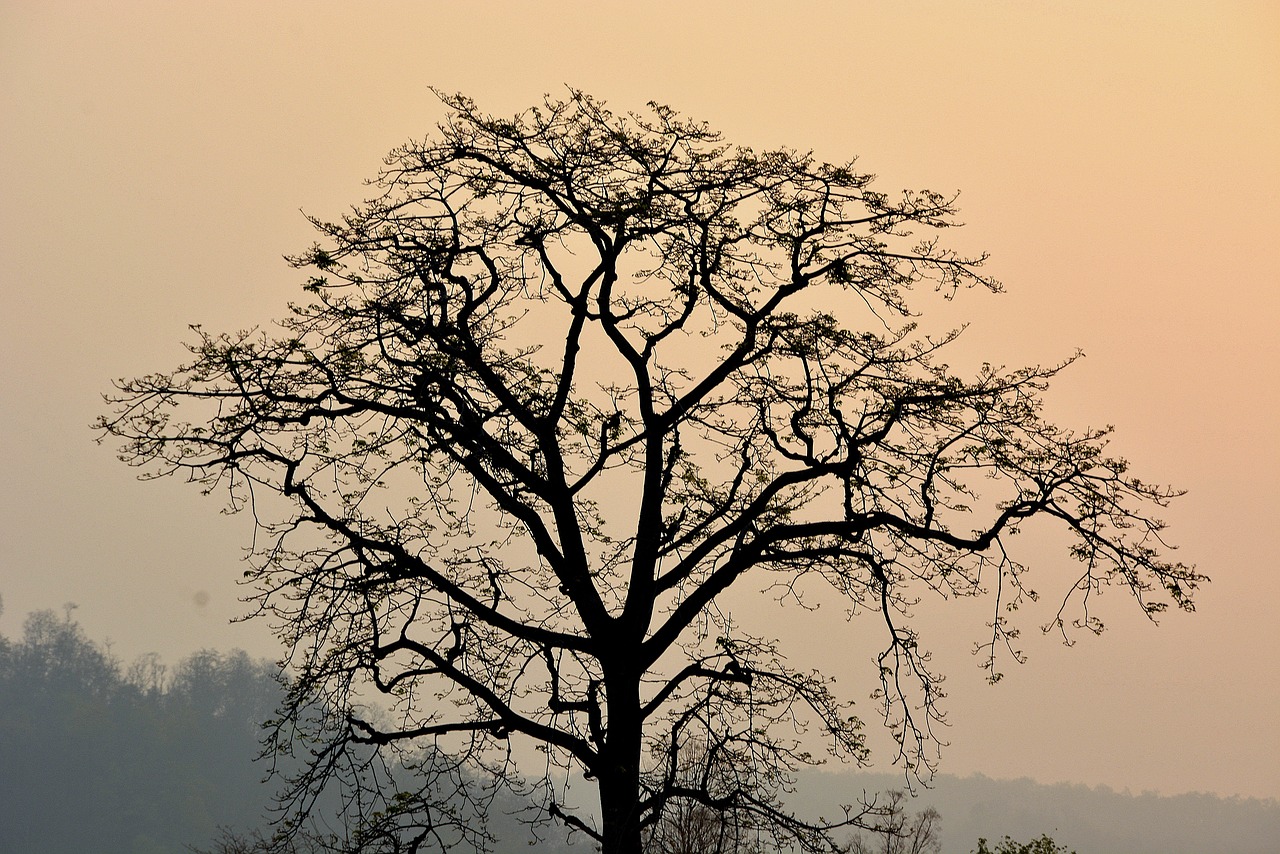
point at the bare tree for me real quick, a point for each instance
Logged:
(256, 842)
(709, 818)
(689, 827)
(563, 382)
(897, 831)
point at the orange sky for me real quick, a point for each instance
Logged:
(1121, 162)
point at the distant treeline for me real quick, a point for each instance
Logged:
(1098, 820)
(139, 759)
(133, 759)
(1089, 820)
(98, 756)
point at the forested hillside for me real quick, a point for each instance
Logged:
(96, 756)
(99, 756)
(103, 757)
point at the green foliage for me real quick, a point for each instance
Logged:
(1043, 845)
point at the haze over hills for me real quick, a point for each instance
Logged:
(1088, 820)
(1117, 160)
(97, 756)
(149, 759)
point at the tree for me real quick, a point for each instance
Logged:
(690, 827)
(1043, 845)
(899, 832)
(564, 382)
(256, 842)
(694, 826)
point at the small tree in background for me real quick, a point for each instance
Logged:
(257, 842)
(1043, 845)
(896, 831)
(566, 380)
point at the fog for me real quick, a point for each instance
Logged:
(1117, 160)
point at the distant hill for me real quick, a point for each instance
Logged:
(146, 759)
(99, 758)
(1087, 820)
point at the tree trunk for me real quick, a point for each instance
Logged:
(619, 776)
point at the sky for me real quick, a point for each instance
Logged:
(1118, 160)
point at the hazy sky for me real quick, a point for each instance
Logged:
(1120, 161)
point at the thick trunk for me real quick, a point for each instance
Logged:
(619, 808)
(619, 777)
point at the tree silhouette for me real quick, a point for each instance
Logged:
(899, 832)
(1044, 844)
(563, 382)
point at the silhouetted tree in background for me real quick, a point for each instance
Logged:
(898, 831)
(258, 842)
(564, 382)
(694, 826)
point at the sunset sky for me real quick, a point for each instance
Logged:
(1120, 162)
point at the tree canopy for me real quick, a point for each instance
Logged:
(565, 380)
